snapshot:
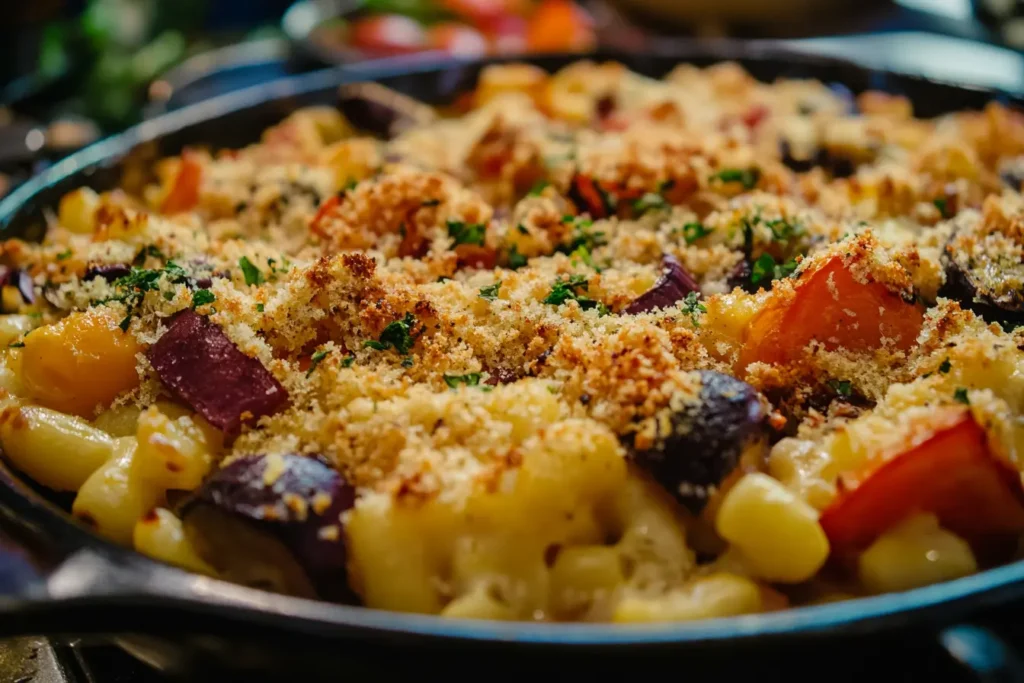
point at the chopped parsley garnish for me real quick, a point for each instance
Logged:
(490, 293)
(259, 307)
(569, 290)
(347, 361)
(202, 297)
(583, 254)
(169, 296)
(16, 345)
(315, 361)
(843, 387)
(747, 177)
(942, 205)
(470, 379)
(538, 188)
(397, 335)
(515, 259)
(522, 229)
(148, 250)
(64, 255)
(132, 288)
(651, 201)
(694, 231)
(467, 233)
(252, 274)
(960, 396)
(583, 236)
(693, 307)
(765, 268)
(407, 362)
(783, 230)
(945, 367)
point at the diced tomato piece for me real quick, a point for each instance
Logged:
(387, 34)
(457, 39)
(184, 192)
(560, 26)
(473, 256)
(831, 306)
(316, 225)
(951, 474)
(587, 195)
(755, 115)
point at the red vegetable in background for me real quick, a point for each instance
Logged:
(387, 34)
(197, 362)
(673, 286)
(457, 39)
(951, 474)
(560, 25)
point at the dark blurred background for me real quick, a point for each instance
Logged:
(73, 70)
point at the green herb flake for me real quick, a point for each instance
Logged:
(694, 231)
(314, 361)
(960, 396)
(252, 274)
(467, 233)
(397, 335)
(945, 367)
(201, 297)
(169, 296)
(407, 362)
(783, 230)
(522, 229)
(942, 204)
(765, 268)
(490, 293)
(347, 361)
(569, 289)
(515, 259)
(259, 308)
(651, 201)
(125, 323)
(843, 387)
(64, 255)
(538, 188)
(693, 307)
(470, 379)
(747, 177)
(16, 345)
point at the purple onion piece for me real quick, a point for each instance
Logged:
(672, 287)
(107, 271)
(204, 369)
(705, 441)
(23, 281)
(296, 499)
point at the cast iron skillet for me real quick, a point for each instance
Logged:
(56, 577)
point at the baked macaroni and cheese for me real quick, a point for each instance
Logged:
(583, 347)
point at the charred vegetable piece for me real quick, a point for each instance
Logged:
(107, 271)
(706, 440)
(951, 473)
(831, 306)
(197, 362)
(984, 273)
(380, 110)
(588, 196)
(672, 287)
(184, 192)
(274, 519)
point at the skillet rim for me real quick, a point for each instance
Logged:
(193, 592)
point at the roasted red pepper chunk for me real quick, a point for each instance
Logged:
(204, 369)
(951, 474)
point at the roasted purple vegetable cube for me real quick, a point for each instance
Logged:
(204, 369)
